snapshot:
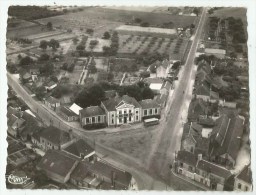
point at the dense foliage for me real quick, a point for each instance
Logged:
(31, 12)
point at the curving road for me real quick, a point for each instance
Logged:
(155, 174)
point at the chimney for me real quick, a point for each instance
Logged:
(113, 177)
(82, 155)
(70, 132)
(199, 157)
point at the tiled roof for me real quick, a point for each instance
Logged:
(57, 162)
(15, 122)
(55, 135)
(202, 89)
(79, 147)
(149, 103)
(65, 110)
(228, 136)
(111, 104)
(52, 100)
(214, 169)
(245, 174)
(80, 172)
(92, 111)
(197, 107)
(103, 168)
(187, 157)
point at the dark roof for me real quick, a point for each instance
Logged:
(186, 129)
(65, 110)
(79, 147)
(202, 76)
(214, 169)
(246, 174)
(227, 136)
(103, 168)
(205, 66)
(187, 157)
(14, 121)
(92, 111)
(52, 100)
(80, 172)
(32, 125)
(14, 111)
(161, 99)
(111, 104)
(57, 162)
(197, 107)
(55, 135)
(149, 103)
(202, 89)
(167, 85)
(209, 122)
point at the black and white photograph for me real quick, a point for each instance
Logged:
(120, 97)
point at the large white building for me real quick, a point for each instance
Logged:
(119, 111)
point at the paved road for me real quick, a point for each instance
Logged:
(170, 138)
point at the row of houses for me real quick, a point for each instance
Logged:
(68, 159)
(212, 138)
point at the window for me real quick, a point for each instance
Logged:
(125, 111)
(112, 121)
(156, 110)
(130, 111)
(137, 118)
(150, 111)
(145, 113)
(190, 168)
(130, 118)
(93, 119)
(239, 186)
(192, 150)
(181, 164)
(137, 111)
(87, 120)
(246, 188)
(98, 119)
(120, 112)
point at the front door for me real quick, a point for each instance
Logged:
(125, 120)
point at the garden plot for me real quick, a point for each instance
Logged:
(99, 46)
(101, 63)
(59, 37)
(75, 75)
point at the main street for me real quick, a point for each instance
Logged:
(147, 176)
(170, 135)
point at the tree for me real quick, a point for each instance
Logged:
(40, 92)
(89, 31)
(26, 61)
(92, 69)
(196, 11)
(93, 43)
(145, 74)
(80, 47)
(49, 26)
(44, 57)
(43, 44)
(46, 69)
(54, 44)
(54, 78)
(137, 20)
(11, 68)
(153, 68)
(91, 96)
(106, 35)
(75, 40)
(176, 65)
(144, 24)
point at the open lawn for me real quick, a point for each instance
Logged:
(231, 12)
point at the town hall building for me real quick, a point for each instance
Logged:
(119, 111)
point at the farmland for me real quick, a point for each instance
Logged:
(146, 44)
(101, 19)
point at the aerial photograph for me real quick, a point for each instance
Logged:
(128, 98)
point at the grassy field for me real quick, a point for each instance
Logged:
(104, 19)
(231, 12)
